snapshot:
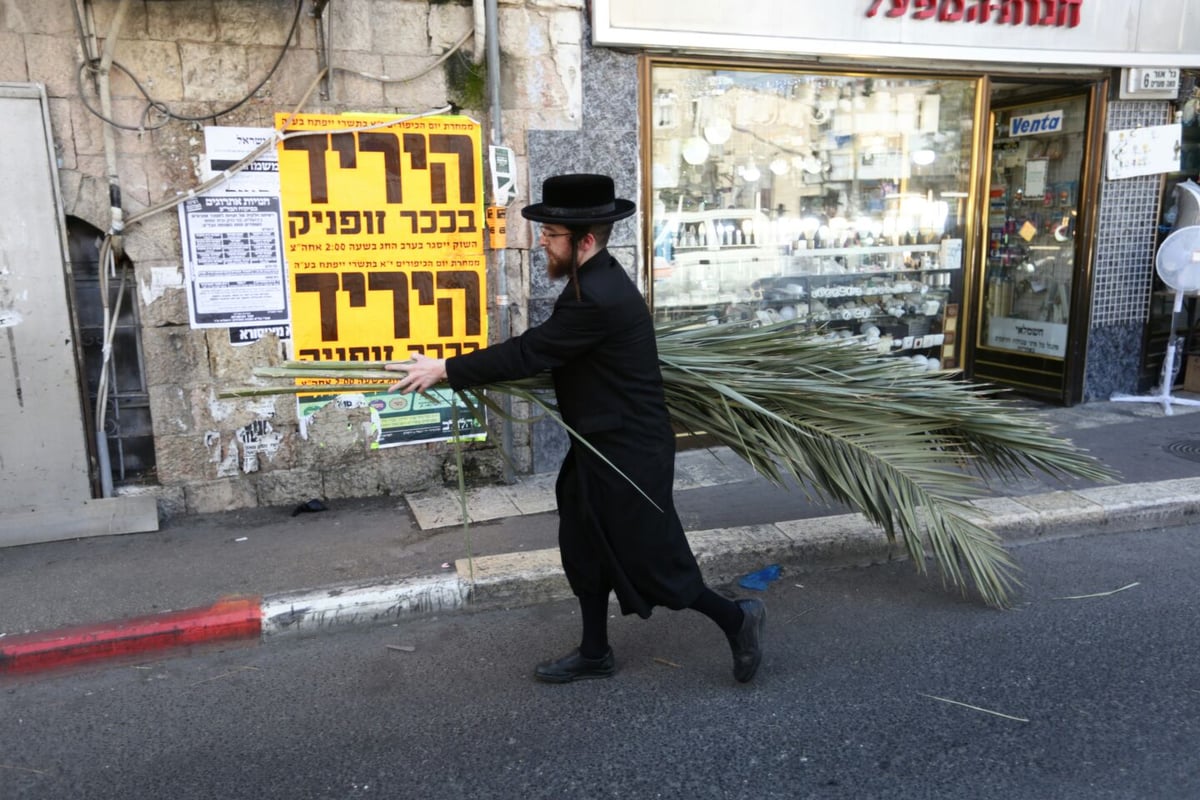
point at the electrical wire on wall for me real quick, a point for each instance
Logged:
(157, 106)
(454, 48)
(155, 115)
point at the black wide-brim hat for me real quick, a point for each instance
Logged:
(579, 200)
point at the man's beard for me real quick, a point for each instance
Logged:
(558, 267)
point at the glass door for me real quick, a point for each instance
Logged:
(1034, 263)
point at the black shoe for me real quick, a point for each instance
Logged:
(575, 667)
(747, 644)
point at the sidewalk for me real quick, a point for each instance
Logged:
(264, 573)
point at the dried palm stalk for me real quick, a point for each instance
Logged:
(904, 446)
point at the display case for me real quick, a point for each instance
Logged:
(893, 297)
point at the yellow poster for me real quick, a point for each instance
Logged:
(384, 238)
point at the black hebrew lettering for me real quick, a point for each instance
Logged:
(355, 285)
(326, 287)
(414, 145)
(468, 283)
(350, 221)
(397, 284)
(297, 215)
(318, 182)
(461, 146)
(437, 183)
(374, 142)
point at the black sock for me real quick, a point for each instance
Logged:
(720, 610)
(593, 608)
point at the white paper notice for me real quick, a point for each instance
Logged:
(233, 260)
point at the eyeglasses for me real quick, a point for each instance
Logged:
(544, 234)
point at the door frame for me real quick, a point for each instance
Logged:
(1074, 362)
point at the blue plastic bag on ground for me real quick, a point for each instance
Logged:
(758, 580)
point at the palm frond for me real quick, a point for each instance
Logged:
(905, 447)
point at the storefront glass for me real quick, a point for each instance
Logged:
(837, 201)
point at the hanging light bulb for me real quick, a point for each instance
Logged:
(923, 157)
(750, 173)
(779, 165)
(695, 150)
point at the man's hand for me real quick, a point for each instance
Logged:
(421, 373)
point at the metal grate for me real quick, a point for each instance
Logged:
(127, 423)
(1185, 449)
(1128, 224)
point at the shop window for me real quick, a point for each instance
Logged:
(836, 201)
(127, 427)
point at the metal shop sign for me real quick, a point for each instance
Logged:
(1043, 13)
(1035, 124)
(384, 232)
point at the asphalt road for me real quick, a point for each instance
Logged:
(877, 684)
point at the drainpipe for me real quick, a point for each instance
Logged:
(491, 32)
(114, 247)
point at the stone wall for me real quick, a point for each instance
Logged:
(202, 61)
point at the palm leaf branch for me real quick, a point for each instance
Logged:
(905, 447)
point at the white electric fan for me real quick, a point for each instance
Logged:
(1178, 264)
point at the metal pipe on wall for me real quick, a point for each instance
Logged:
(491, 32)
(113, 243)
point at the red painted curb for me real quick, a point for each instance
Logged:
(227, 619)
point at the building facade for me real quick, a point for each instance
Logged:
(939, 179)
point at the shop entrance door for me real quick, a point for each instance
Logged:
(1032, 317)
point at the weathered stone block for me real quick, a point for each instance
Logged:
(155, 239)
(215, 413)
(155, 64)
(162, 305)
(336, 436)
(565, 27)
(287, 85)
(401, 28)
(523, 33)
(361, 478)
(50, 62)
(184, 459)
(171, 410)
(60, 130)
(239, 22)
(220, 495)
(133, 24)
(428, 91)
(174, 355)
(350, 25)
(448, 23)
(359, 91)
(174, 22)
(214, 72)
(289, 487)
(234, 365)
(406, 469)
(12, 57)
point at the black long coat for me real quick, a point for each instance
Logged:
(602, 355)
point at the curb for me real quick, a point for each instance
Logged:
(225, 620)
(528, 578)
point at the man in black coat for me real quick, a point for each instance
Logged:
(618, 529)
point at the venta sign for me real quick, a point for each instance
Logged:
(1045, 13)
(1034, 124)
